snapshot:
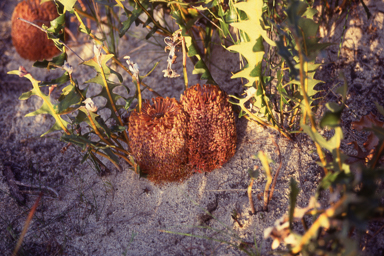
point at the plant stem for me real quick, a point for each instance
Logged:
(259, 120)
(308, 110)
(277, 171)
(265, 163)
(113, 103)
(26, 225)
(153, 20)
(107, 157)
(250, 197)
(323, 218)
(184, 62)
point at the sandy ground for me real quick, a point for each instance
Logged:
(119, 213)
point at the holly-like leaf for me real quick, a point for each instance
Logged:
(54, 63)
(132, 15)
(68, 4)
(252, 49)
(59, 81)
(99, 80)
(46, 108)
(331, 144)
(70, 96)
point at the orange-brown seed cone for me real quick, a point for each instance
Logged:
(30, 42)
(211, 127)
(158, 140)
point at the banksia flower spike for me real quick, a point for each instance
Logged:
(211, 127)
(30, 42)
(158, 140)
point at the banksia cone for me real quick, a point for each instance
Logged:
(158, 140)
(211, 127)
(30, 42)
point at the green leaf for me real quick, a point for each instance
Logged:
(46, 108)
(292, 200)
(369, 14)
(70, 96)
(343, 90)
(254, 174)
(112, 156)
(327, 181)
(310, 12)
(99, 80)
(330, 119)
(57, 25)
(251, 48)
(97, 120)
(68, 4)
(334, 107)
(132, 15)
(59, 81)
(54, 63)
(331, 144)
(80, 141)
(379, 108)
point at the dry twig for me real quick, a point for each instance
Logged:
(277, 171)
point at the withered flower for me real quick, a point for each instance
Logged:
(158, 140)
(30, 42)
(211, 127)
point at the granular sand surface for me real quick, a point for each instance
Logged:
(119, 213)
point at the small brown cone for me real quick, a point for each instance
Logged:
(158, 140)
(211, 127)
(30, 42)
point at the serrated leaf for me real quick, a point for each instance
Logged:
(96, 120)
(99, 80)
(46, 108)
(68, 4)
(59, 81)
(70, 96)
(132, 15)
(310, 12)
(57, 25)
(251, 48)
(56, 61)
(82, 141)
(331, 144)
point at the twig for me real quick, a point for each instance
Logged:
(36, 26)
(32, 192)
(377, 232)
(26, 225)
(277, 171)
(316, 225)
(37, 187)
(222, 190)
(250, 197)
(209, 20)
(184, 62)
